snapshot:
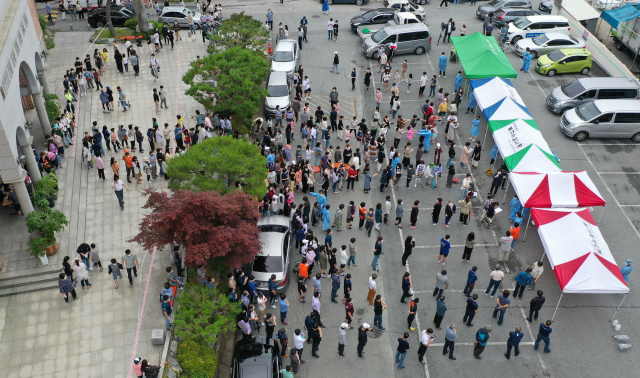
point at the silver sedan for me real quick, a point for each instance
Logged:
(546, 43)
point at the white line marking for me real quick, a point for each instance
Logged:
(456, 246)
(619, 173)
(609, 144)
(490, 343)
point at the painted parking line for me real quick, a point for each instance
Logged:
(347, 104)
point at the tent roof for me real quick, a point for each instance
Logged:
(523, 146)
(627, 12)
(556, 189)
(579, 256)
(506, 109)
(481, 57)
(490, 91)
(579, 11)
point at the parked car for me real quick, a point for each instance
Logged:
(171, 14)
(503, 15)
(565, 61)
(546, 6)
(410, 38)
(399, 18)
(533, 26)
(255, 357)
(356, 2)
(285, 56)
(546, 43)
(373, 17)
(581, 90)
(497, 4)
(413, 7)
(275, 236)
(98, 17)
(603, 119)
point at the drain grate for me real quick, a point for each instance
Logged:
(376, 333)
(360, 311)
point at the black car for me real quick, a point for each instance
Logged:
(546, 6)
(255, 358)
(98, 18)
(374, 16)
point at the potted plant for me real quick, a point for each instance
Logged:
(45, 191)
(47, 222)
(38, 248)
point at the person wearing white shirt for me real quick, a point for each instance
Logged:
(306, 84)
(298, 342)
(372, 288)
(423, 84)
(426, 338)
(117, 186)
(330, 28)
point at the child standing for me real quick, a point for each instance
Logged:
(114, 269)
(387, 209)
(125, 61)
(350, 213)
(410, 173)
(95, 257)
(409, 82)
(435, 214)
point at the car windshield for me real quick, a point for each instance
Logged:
(522, 23)
(278, 90)
(494, 2)
(588, 111)
(369, 15)
(572, 89)
(267, 264)
(380, 36)
(541, 40)
(273, 228)
(283, 56)
(556, 56)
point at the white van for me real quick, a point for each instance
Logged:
(533, 26)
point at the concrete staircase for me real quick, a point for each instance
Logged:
(28, 281)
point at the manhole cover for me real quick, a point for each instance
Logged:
(354, 61)
(315, 16)
(376, 333)
(360, 311)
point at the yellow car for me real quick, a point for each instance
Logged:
(565, 61)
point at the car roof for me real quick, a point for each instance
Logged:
(175, 9)
(271, 243)
(391, 2)
(278, 220)
(558, 36)
(277, 78)
(285, 44)
(509, 9)
(418, 26)
(543, 18)
(382, 10)
(575, 51)
(608, 82)
(254, 351)
(618, 105)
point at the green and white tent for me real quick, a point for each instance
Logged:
(522, 146)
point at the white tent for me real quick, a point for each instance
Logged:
(556, 189)
(489, 92)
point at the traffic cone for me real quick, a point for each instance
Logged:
(269, 51)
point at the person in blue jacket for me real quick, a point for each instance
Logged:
(626, 270)
(526, 61)
(514, 342)
(326, 218)
(442, 65)
(522, 280)
(482, 337)
(457, 81)
(320, 197)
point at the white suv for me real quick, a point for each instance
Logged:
(533, 26)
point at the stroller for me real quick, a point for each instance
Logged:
(453, 58)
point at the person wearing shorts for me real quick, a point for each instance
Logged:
(114, 269)
(302, 288)
(445, 246)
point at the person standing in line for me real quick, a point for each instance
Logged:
(335, 284)
(406, 286)
(66, 287)
(435, 214)
(469, 246)
(503, 302)
(399, 214)
(401, 351)
(270, 324)
(130, 262)
(353, 252)
(372, 290)
(526, 61)
(522, 280)
(336, 62)
(445, 247)
(536, 271)
(413, 310)
(496, 278)
(442, 65)
(505, 247)
(270, 19)
(163, 97)
(441, 309)
(449, 341)
(316, 335)
(514, 342)
(471, 311)
(472, 277)
(298, 342)
(284, 307)
(543, 335)
(342, 338)
(362, 338)
(535, 305)
(377, 251)
(515, 234)
(426, 338)
(378, 307)
(82, 273)
(335, 31)
(284, 342)
(273, 287)
(423, 84)
(95, 257)
(156, 100)
(482, 337)
(409, 244)
(177, 259)
(442, 283)
(117, 186)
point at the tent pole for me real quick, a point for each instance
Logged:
(505, 191)
(614, 314)
(543, 253)
(524, 238)
(556, 310)
(486, 131)
(600, 217)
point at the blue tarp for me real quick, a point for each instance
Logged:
(622, 14)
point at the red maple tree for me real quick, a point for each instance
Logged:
(207, 224)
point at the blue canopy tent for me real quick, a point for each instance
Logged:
(627, 12)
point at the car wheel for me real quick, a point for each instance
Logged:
(534, 54)
(419, 51)
(359, 2)
(375, 55)
(635, 138)
(551, 73)
(99, 24)
(329, 2)
(515, 39)
(620, 46)
(585, 70)
(582, 136)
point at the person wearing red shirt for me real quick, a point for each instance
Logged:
(128, 158)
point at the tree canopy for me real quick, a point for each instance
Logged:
(240, 30)
(207, 224)
(223, 164)
(236, 88)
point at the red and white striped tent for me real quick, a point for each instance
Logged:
(556, 189)
(578, 254)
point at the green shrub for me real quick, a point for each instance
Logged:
(197, 360)
(52, 105)
(131, 23)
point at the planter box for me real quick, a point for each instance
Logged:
(52, 249)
